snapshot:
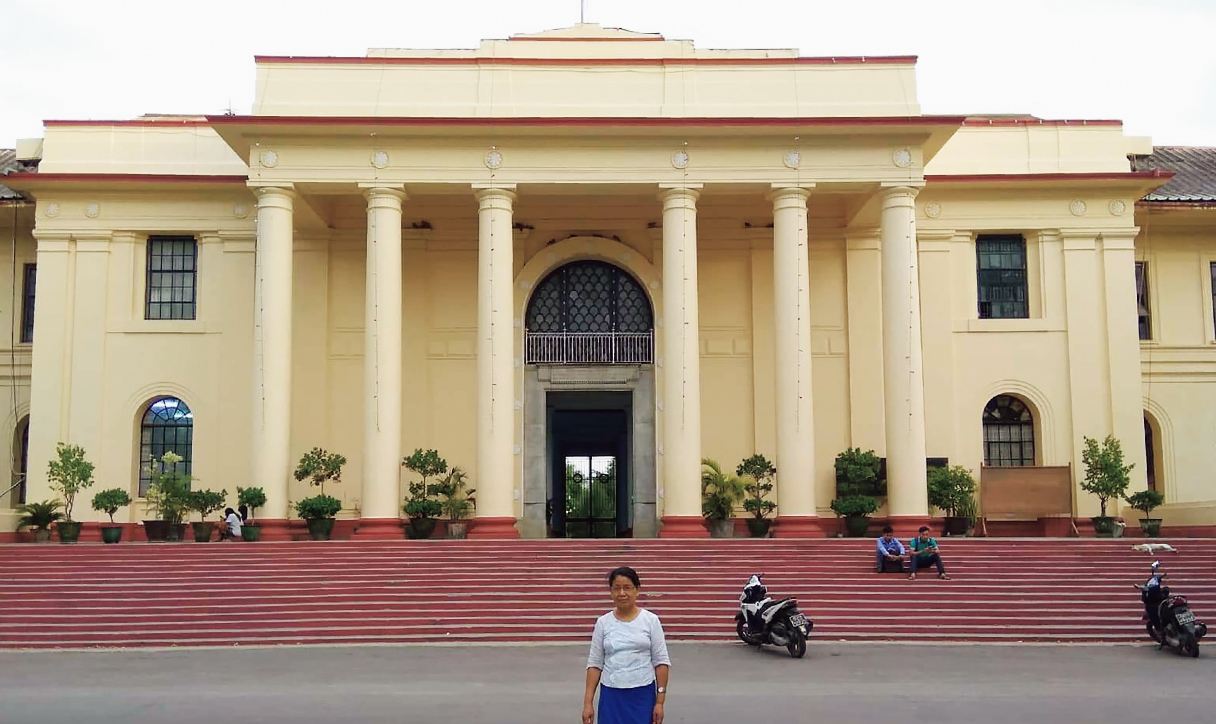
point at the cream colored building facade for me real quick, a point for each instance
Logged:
(363, 265)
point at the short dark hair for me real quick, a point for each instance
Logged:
(624, 572)
(887, 529)
(923, 529)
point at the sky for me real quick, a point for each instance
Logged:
(1149, 63)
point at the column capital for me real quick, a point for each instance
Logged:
(500, 196)
(679, 195)
(378, 189)
(899, 193)
(1120, 238)
(280, 196)
(784, 195)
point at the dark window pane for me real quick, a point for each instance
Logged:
(1008, 433)
(27, 303)
(601, 304)
(172, 278)
(167, 426)
(1142, 301)
(1001, 277)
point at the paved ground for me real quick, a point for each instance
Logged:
(543, 685)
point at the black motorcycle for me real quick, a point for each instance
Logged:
(762, 620)
(1168, 619)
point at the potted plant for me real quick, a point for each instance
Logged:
(757, 473)
(168, 499)
(857, 473)
(319, 511)
(950, 489)
(720, 493)
(1146, 500)
(109, 501)
(69, 474)
(419, 507)
(252, 499)
(456, 501)
(1106, 477)
(856, 511)
(205, 502)
(39, 516)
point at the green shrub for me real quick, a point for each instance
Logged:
(169, 494)
(857, 473)
(318, 466)
(318, 507)
(457, 502)
(720, 492)
(251, 498)
(950, 489)
(38, 515)
(853, 506)
(69, 474)
(1105, 474)
(1145, 501)
(757, 473)
(109, 501)
(206, 502)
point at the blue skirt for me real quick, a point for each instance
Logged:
(627, 706)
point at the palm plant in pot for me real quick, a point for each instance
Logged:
(420, 507)
(720, 493)
(108, 502)
(1106, 477)
(1145, 501)
(456, 502)
(319, 511)
(757, 473)
(168, 499)
(69, 474)
(251, 499)
(39, 516)
(950, 490)
(205, 502)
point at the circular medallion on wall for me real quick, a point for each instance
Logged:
(240, 211)
(52, 209)
(380, 159)
(1077, 207)
(493, 159)
(679, 159)
(92, 210)
(269, 159)
(902, 158)
(933, 209)
(792, 159)
(1118, 207)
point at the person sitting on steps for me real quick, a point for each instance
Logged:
(889, 549)
(230, 528)
(924, 554)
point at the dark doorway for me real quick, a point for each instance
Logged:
(590, 492)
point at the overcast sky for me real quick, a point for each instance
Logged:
(1150, 63)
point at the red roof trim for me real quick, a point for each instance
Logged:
(486, 60)
(998, 177)
(606, 121)
(591, 40)
(19, 179)
(974, 122)
(136, 122)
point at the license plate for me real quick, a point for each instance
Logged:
(1185, 617)
(798, 619)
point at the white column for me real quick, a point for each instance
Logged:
(681, 366)
(382, 365)
(272, 356)
(495, 368)
(797, 515)
(903, 381)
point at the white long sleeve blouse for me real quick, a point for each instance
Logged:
(627, 651)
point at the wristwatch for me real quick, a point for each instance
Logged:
(661, 690)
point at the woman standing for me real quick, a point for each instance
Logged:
(628, 657)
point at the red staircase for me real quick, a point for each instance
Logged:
(223, 594)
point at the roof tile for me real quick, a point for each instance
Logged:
(1195, 169)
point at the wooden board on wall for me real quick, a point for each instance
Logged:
(1026, 493)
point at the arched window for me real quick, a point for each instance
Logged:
(21, 446)
(589, 312)
(167, 425)
(1008, 433)
(1151, 462)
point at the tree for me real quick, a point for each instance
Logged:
(951, 489)
(109, 501)
(757, 474)
(319, 466)
(69, 474)
(1105, 474)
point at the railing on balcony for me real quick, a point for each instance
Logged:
(589, 348)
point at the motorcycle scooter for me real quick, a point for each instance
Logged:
(762, 620)
(1168, 619)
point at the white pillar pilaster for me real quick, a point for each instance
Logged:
(382, 365)
(903, 379)
(495, 366)
(681, 366)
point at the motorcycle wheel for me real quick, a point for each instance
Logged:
(1188, 645)
(745, 635)
(797, 643)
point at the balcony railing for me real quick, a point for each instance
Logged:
(589, 348)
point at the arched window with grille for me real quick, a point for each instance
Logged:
(589, 312)
(1008, 433)
(167, 426)
(21, 446)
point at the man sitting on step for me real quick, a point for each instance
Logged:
(890, 553)
(924, 554)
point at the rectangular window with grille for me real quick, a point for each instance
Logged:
(27, 303)
(172, 277)
(1001, 274)
(1143, 311)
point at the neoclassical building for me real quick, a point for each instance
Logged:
(597, 255)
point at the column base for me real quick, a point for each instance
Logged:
(908, 526)
(379, 529)
(683, 526)
(798, 526)
(275, 529)
(493, 529)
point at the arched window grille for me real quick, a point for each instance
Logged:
(1008, 433)
(1150, 449)
(167, 425)
(590, 312)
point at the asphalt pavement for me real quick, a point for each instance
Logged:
(544, 684)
